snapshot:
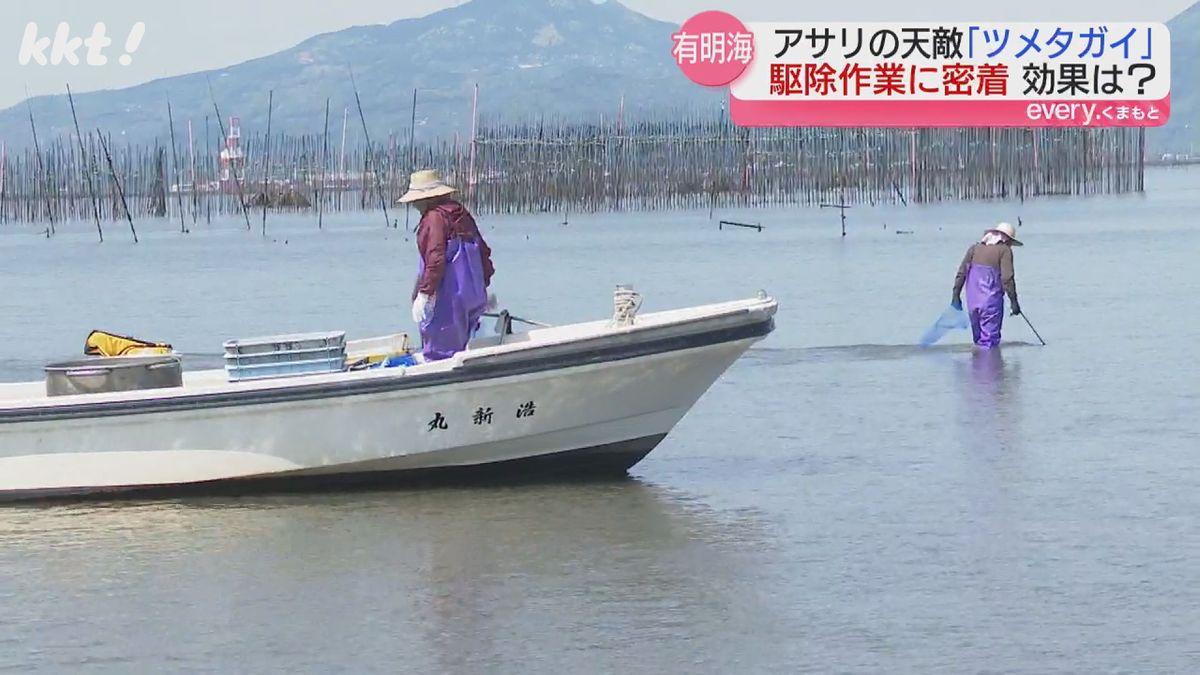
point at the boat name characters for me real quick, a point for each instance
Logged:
(64, 46)
(481, 416)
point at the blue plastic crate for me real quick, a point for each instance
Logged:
(292, 342)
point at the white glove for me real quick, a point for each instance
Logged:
(422, 307)
(491, 303)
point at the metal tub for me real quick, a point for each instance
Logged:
(114, 373)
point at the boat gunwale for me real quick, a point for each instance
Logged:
(753, 320)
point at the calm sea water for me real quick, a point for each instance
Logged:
(840, 502)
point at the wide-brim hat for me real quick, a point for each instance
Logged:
(1007, 230)
(425, 184)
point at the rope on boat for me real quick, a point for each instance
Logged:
(626, 303)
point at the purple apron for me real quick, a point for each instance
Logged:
(460, 301)
(985, 304)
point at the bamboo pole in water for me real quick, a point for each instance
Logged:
(267, 163)
(367, 156)
(342, 159)
(42, 175)
(474, 122)
(237, 182)
(412, 152)
(324, 157)
(207, 144)
(1141, 164)
(91, 186)
(117, 182)
(192, 165)
(175, 164)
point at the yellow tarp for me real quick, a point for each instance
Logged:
(101, 343)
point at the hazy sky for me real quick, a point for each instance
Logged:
(183, 36)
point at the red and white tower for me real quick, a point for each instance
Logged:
(232, 159)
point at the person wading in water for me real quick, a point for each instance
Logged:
(987, 273)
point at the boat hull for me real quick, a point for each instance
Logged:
(564, 414)
(611, 461)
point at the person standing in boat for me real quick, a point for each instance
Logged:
(987, 272)
(455, 268)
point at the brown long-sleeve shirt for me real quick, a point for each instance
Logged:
(995, 255)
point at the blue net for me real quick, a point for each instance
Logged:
(951, 319)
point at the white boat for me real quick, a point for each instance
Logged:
(582, 400)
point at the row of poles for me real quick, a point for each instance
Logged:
(690, 159)
(88, 170)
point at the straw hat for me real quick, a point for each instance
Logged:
(1007, 230)
(425, 184)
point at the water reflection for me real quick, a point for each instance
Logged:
(987, 369)
(988, 392)
(449, 576)
(993, 442)
(605, 567)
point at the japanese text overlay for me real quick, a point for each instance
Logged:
(953, 74)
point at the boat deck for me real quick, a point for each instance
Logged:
(572, 336)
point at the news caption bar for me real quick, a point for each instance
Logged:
(932, 74)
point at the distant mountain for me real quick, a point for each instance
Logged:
(1182, 131)
(572, 59)
(560, 58)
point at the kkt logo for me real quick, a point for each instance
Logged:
(64, 47)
